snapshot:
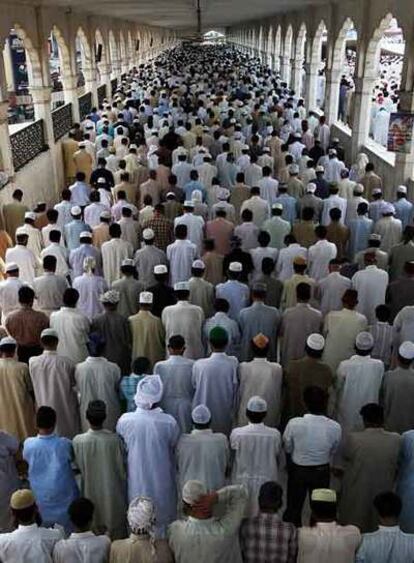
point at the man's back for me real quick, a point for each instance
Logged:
(80, 547)
(29, 543)
(386, 545)
(327, 542)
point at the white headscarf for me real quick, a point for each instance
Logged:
(141, 518)
(360, 164)
(149, 391)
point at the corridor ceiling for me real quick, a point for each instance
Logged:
(182, 14)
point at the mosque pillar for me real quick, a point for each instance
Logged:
(285, 68)
(311, 85)
(361, 113)
(332, 95)
(42, 102)
(89, 72)
(404, 162)
(6, 156)
(297, 68)
(70, 92)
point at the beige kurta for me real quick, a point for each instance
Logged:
(17, 414)
(138, 549)
(148, 337)
(83, 163)
(214, 267)
(13, 216)
(99, 456)
(202, 294)
(69, 147)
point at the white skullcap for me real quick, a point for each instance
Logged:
(364, 341)
(319, 169)
(277, 206)
(11, 267)
(266, 149)
(293, 169)
(101, 180)
(149, 391)
(127, 262)
(335, 140)
(21, 231)
(201, 414)
(182, 286)
(85, 234)
(132, 146)
(105, 215)
(376, 191)
(141, 515)
(311, 188)
(223, 194)
(112, 296)
(374, 236)
(49, 332)
(387, 208)
(148, 234)
(188, 203)
(235, 267)
(333, 152)
(402, 190)
(82, 145)
(198, 265)
(160, 269)
(76, 210)
(193, 491)
(316, 342)
(8, 341)
(170, 194)
(197, 196)
(359, 189)
(146, 298)
(256, 404)
(30, 215)
(406, 350)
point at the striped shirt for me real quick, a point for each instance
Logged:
(383, 337)
(387, 545)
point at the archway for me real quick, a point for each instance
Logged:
(84, 66)
(59, 66)
(269, 48)
(343, 72)
(287, 55)
(278, 48)
(317, 87)
(299, 74)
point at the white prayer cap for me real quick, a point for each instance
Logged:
(193, 491)
(387, 208)
(406, 350)
(256, 404)
(148, 234)
(11, 267)
(332, 152)
(146, 298)
(85, 234)
(319, 169)
(374, 236)
(8, 341)
(149, 391)
(376, 191)
(359, 189)
(277, 206)
(316, 342)
(21, 231)
(101, 180)
(105, 215)
(188, 203)
(311, 188)
(323, 495)
(335, 140)
(49, 332)
(402, 190)
(112, 296)
(160, 269)
(127, 262)
(364, 341)
(133, 146)
(198, 265)
(82, 145)
(76, 210)
(182, 286)
(141, 515)
(201, 414)
(237, 135)
(223, 194)
(197, 196)
(30, 215)
(170, 194)
(266, 149)
(181, 150)
(293, 169)
(235, 267)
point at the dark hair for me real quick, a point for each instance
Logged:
(303, 291)
(324, 510)
(115, 230)
(176, 342)
(52, 215)
(49, 262)
(315, 399)
(383, 313)
(26, 295)
(308, 213)
(321, 231)
(270, 496)
(70, 297)
(181, 231)
(46, 418)
(263, 238)
(255, 417)
(247, 215)
(388, 505)
(372, 414)
(221, 305)
(81, 512)
(335, 213)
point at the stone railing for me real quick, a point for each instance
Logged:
(85, 105)
(62, 121)
(27, 143)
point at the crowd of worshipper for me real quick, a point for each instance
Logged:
(207, 344)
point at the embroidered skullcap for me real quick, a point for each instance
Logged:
(146, 298)
(315, 342)
(256, 404)
(193, 491)
(141, 515)
(364, 341)
(406, 350)
(235, 267)
(201, 414)
(160, 269)
(148, 234)
(21, 499)
(260, 341)
(112, 296)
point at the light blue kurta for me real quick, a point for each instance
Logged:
(51, 477)
(236, 293)
(258, 318)
(405, 485)
(150, 437)
(404, 211)
(215, 382)
(360, 230)
(176, 375)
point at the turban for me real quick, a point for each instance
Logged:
(141, 515)
(149, 391)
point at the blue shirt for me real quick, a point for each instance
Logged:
(236, 293)
(72, 232)
(128, 389)
(404, 211)
(51, 477)
(78, 255)
(191, 186)
(80, 194)
(360, 231)
(289, 207)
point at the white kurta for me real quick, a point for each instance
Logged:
(82, 547)
(187, 320)
(72, 327)
(90, 288)
(181, 254)
(113, 253)
(195, 228)
(358, 383)
(331, 290)
(319, 256)
(150, 437)
(257, 448)
(26, 260)
(29, 543)
(9, 296)
(390, 230)
(215, 382)
(371, 285)
(284, 266)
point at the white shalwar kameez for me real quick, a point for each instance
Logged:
(185, 319)
(90, 289)
(114, 251)
(257, 449)
(73, 328)
(371, 285)
(150, 437)
(181, 254)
